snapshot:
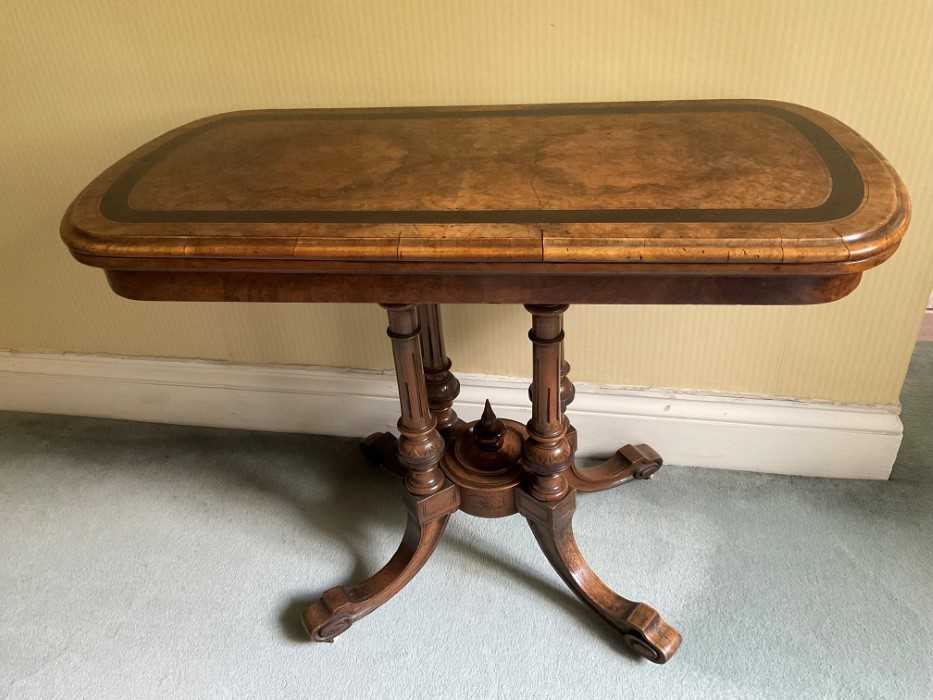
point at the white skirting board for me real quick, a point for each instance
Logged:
(689, 428)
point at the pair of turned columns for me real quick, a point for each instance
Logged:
(427, 390)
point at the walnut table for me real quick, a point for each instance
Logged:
(706, 202)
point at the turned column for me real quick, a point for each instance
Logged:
(567, 392)
(547, 452)
(420, 445)
(443, 387)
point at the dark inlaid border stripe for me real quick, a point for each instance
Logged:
(847, 192)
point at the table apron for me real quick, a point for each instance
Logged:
(479, 288)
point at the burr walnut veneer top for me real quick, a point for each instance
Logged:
(765, 187)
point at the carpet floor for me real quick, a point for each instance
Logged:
(154, 561)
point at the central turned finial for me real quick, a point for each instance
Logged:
(489, 431)
(483, 460)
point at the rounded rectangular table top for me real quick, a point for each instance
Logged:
(721, 187)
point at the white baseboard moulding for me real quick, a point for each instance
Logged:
(688, 428)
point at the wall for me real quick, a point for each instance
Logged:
(83, 83)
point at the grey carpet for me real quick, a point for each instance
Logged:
(150, 561)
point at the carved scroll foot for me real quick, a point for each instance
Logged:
(641, 626)
(629, 462)
(340, 607)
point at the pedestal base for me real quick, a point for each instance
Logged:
(500, 493)
(491, 468)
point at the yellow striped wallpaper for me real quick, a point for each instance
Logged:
(83, 83)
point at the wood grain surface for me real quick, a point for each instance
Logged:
(721, 183)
